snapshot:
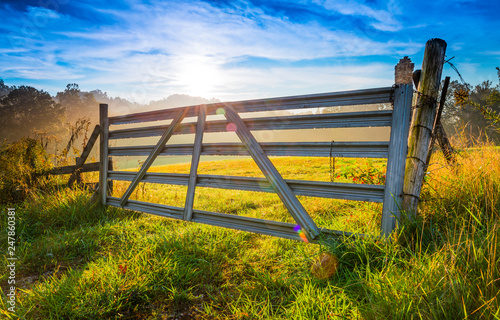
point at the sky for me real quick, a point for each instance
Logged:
(236, 50)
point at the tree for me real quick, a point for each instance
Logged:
(4, 89)
(77, 104)
(473, 108)
(26, 110)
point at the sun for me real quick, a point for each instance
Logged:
(200, 76)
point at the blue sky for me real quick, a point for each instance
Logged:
(233, 50)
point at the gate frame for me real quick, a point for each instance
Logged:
(401, 96)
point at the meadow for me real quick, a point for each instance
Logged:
(80, 260)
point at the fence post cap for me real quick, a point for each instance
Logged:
(404, 71)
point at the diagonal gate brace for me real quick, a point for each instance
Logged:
(152, 156)
(84, 155)
(273, 176)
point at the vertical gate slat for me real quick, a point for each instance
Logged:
(277, 182)
(396, 161)
(152, 156)
(198, 141)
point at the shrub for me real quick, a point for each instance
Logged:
(366, 173)
(22, 166)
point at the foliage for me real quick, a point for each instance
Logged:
(22, 164)
(365, 173)
(81, 127)
(4, 89)
(77, 104)
(475, 107)
(26, 110)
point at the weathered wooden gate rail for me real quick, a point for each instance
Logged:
(394, 150)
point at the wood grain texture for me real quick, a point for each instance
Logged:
(422, 123)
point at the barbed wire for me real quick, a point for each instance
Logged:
(456, 69)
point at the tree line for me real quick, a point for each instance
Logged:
(26, 111)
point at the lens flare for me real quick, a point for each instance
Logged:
(220, 111)
(265, 186)
(231, 127)
(301, 233)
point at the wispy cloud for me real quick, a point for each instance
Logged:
(382, 19)
(150, 50)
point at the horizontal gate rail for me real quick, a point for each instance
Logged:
(321, 189)
(381, 118)
(262, 226)
(304, 149)
(87, 167)
(345, 98)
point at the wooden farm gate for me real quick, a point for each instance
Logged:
(398, 119)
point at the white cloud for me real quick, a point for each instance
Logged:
(200, 29)
(490, 53)
(184, 47)
(40, 16)
(384, 19)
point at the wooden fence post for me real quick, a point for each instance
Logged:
(110, 182)
(422, 124)
(77, 172)
(104, 162)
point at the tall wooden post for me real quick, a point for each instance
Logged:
(422, 124)
(439, 133)
(103, 162)
(401, 113)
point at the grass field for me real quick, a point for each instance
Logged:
(78, 260)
